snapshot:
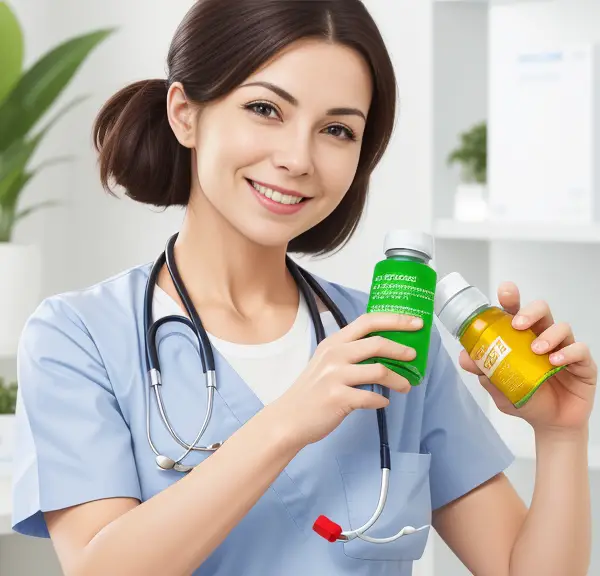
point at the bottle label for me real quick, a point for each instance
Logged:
(405, 287)
(488, 359)
(403, 293)
(505, 356)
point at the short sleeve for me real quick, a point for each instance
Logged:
(72, 443)
(465, 448)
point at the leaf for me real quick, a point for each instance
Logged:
(39, 87)
(11, 50)
(11, 195)
(471, 154)
(8, 213)
(14, 160)
(31, 209)
(12, 165)
(8, 397)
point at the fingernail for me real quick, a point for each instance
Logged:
(540, 346)
(557, 358)
(417, 322)
(519, 321)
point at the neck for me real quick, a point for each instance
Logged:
(222, 269)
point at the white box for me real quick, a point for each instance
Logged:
(544, 131)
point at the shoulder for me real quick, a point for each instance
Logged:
(351, 301)
(113, 302)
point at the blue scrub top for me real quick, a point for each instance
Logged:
(81, 436)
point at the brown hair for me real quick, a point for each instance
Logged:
(216, 47)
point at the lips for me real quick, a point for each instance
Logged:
(276, 202)
(276, 194)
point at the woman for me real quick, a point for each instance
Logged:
(267, 102)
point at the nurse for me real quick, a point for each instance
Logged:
(267, 128)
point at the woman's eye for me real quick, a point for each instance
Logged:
(263, 109)
(341, 132)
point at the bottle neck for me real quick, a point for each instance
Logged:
(407, 255)
(457, 313)
(463, 327)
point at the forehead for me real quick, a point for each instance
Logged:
(320, 74)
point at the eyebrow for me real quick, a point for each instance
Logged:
(342, 111)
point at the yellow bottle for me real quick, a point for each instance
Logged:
(500, 351)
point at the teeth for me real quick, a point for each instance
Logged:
(276, 196)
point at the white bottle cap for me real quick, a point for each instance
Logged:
(456, 300)
(413, 240)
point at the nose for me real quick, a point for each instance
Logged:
(295, 155)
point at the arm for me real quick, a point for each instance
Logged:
(553, 538)
(176, 530)
(493, 534)
(122, 537)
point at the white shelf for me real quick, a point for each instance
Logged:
(532, 232)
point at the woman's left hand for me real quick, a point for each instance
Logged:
(564, 402)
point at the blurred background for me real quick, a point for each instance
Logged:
(495, 151)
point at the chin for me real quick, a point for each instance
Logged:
(268, 236)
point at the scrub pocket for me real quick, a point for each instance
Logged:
(408, 503)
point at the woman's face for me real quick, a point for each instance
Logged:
(278, 154)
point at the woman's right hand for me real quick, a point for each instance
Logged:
(325, 393)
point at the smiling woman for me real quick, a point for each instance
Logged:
(267, 129)
(296, 98)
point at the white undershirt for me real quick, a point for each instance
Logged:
(268, 369)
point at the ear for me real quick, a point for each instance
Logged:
(181, 115)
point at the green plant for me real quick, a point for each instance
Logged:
(8, 397)
(472, 154)
(25, 96)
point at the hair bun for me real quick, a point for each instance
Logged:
(133, 137)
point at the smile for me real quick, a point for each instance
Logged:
(276, 196)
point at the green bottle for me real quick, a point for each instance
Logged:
(405, 283)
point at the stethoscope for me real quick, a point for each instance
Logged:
(308, 287)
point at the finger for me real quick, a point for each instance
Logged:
(377, 346)
(376, 322)
(509, 297)
(577, 354)
(536, 316)
(377, 374)
(467, 363)
(366, 400)
(501, 401)
(551, 338)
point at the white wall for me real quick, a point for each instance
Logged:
(94, 235)
(400, 191)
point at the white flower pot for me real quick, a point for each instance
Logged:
(7, 424)
(470, 203)
(20, 281)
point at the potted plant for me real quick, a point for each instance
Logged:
(470, 200)
(8, 402)
(25, 97)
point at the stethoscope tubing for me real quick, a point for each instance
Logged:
(309, 287)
